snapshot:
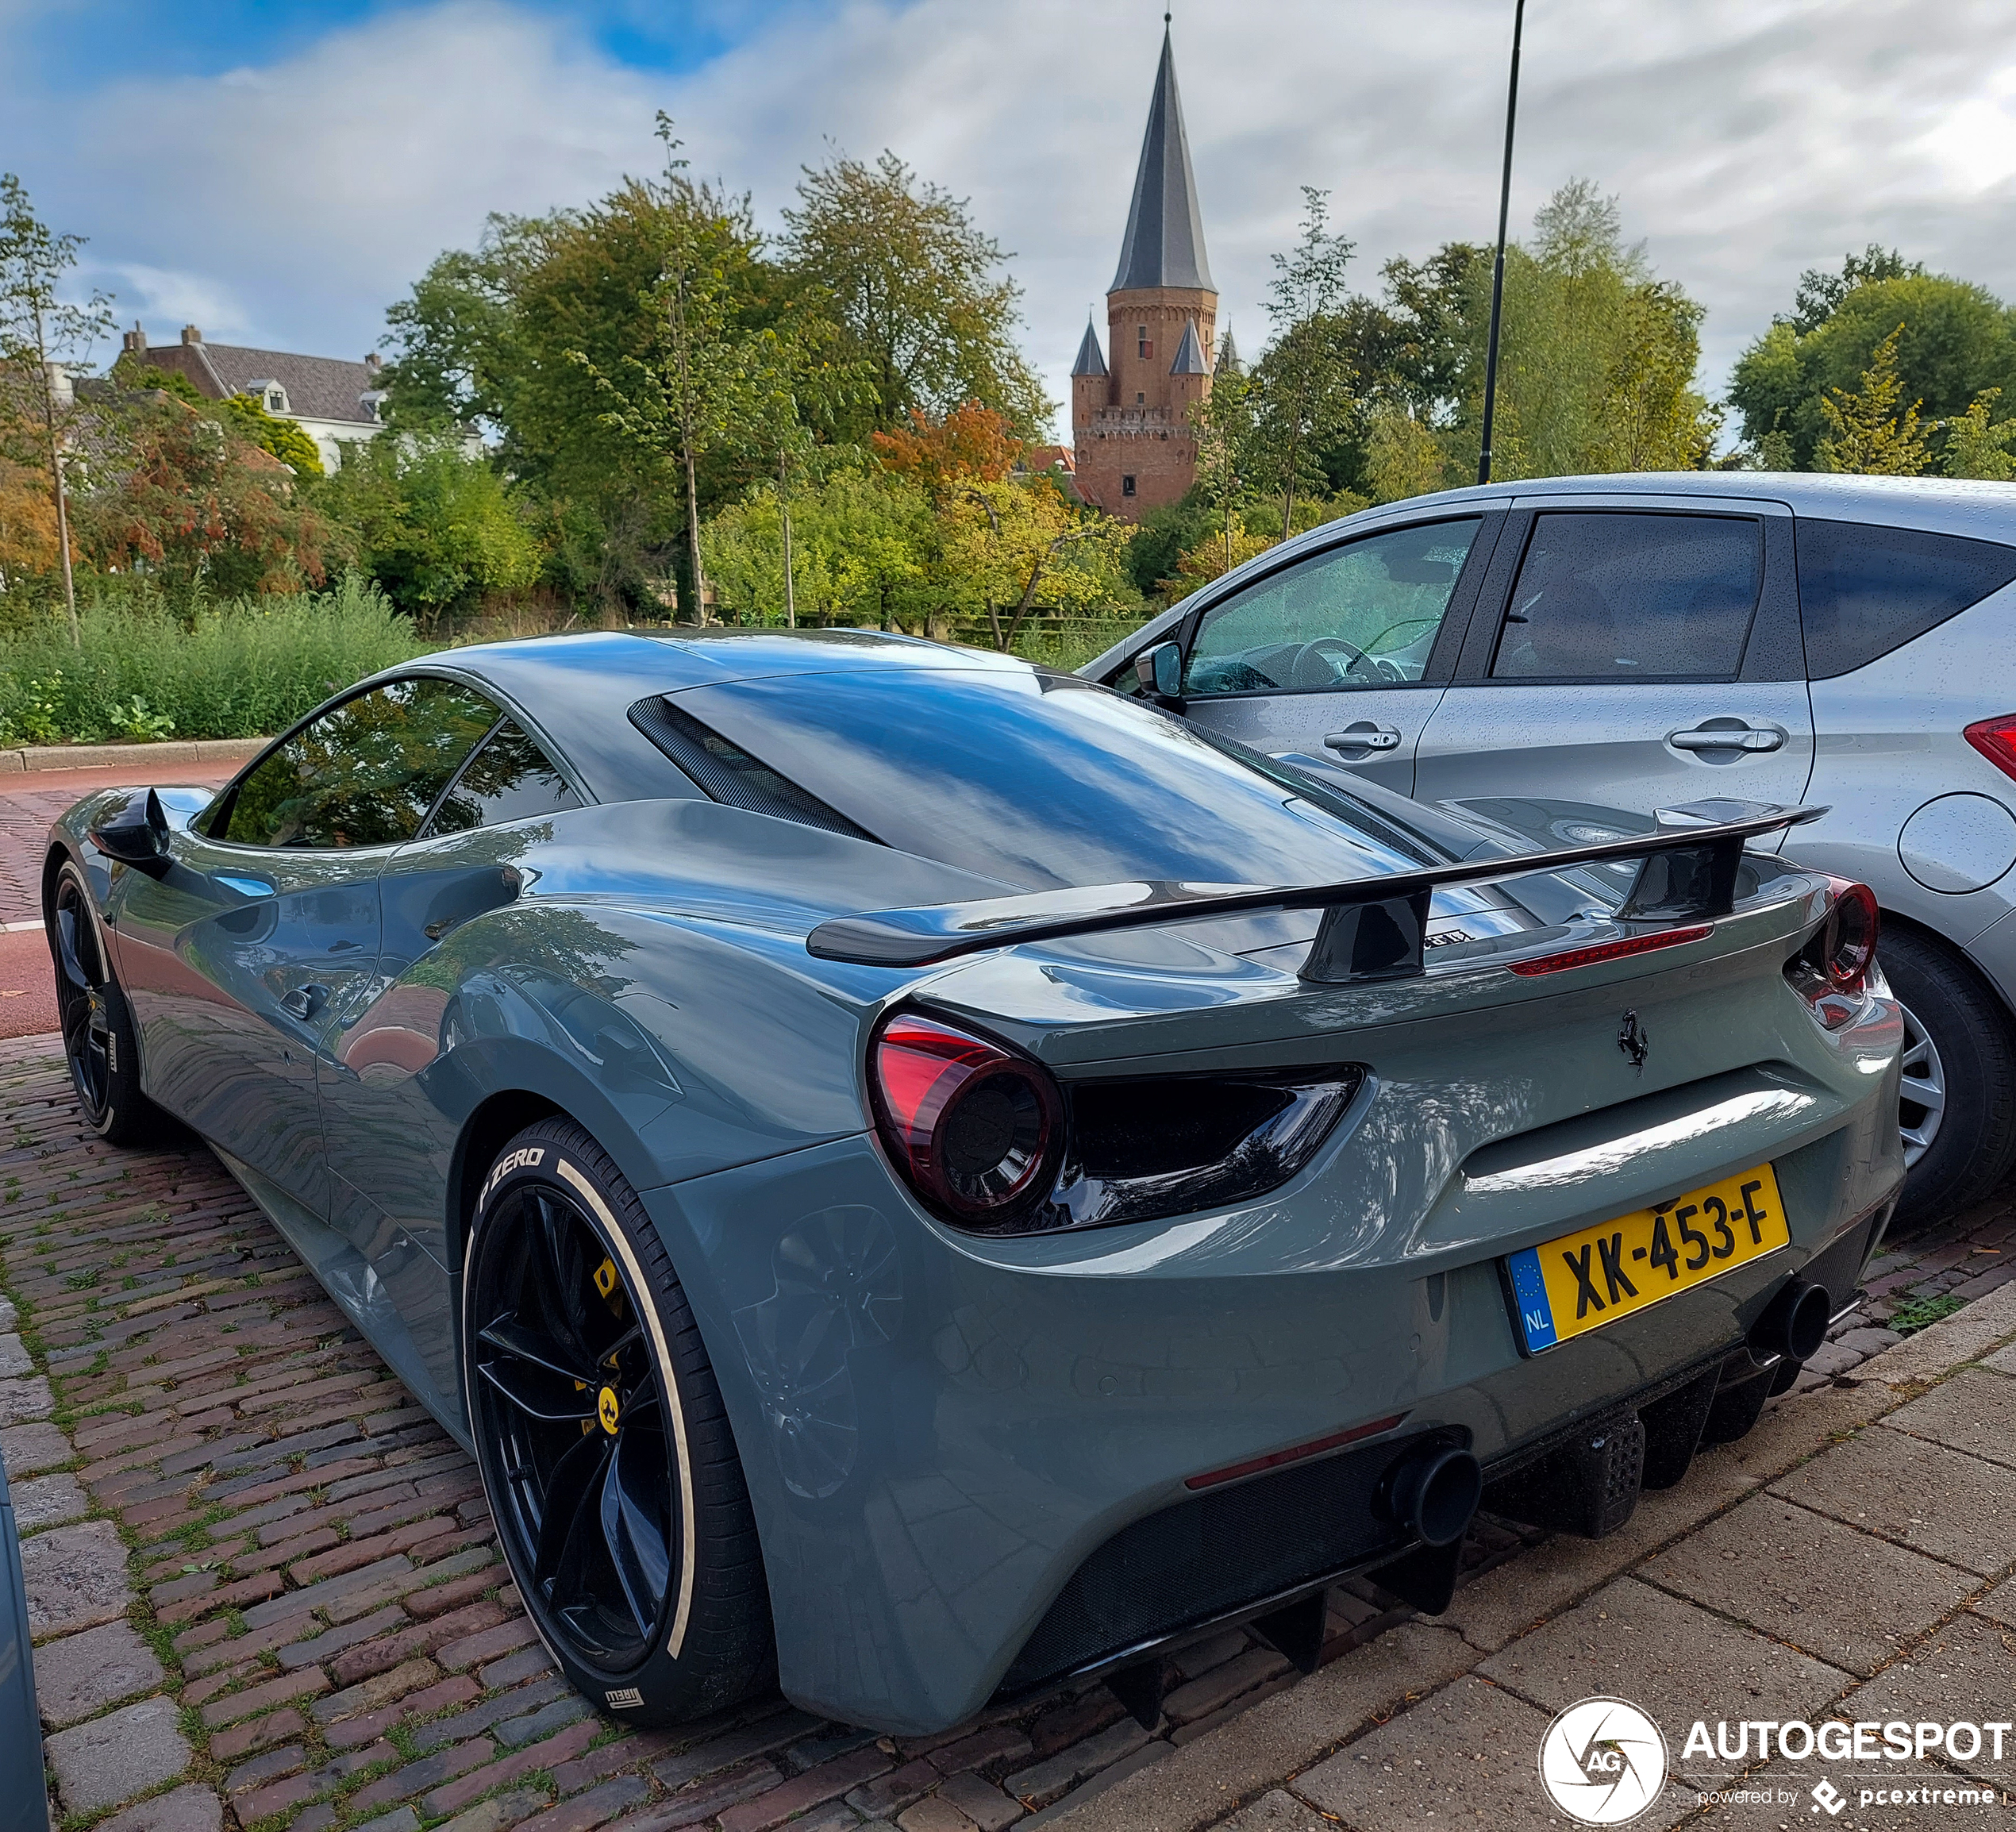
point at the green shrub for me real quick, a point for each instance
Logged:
(236, 670)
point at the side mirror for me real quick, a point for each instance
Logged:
(1160, 671)
(137, 835)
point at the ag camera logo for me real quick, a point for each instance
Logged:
(1603, 1761)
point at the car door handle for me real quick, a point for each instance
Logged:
(304, 1002)
(1728, 738)
(1363, 738)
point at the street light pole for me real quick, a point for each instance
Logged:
(1498, 269)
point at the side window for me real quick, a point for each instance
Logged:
(510, 779)
(1362, 615)
(364, 774)
(1609, 595)
(1863, 590)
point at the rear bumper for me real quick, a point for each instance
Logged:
(938, 1434)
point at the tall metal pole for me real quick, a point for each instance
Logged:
(1498, 269)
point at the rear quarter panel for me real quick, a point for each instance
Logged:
(1888, 740)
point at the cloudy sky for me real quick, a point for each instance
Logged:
(280, 171)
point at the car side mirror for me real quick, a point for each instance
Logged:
(1160, 671)
(137, 835)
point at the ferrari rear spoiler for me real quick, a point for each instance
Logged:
(1372, 928)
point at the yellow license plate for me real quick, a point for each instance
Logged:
(1584, 1280)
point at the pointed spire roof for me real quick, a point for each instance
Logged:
(1228, 351)
(1091, 358)
(1189, 354)
(1164, 246)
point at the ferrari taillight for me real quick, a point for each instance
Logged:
(975, 1129)
(1831, 973)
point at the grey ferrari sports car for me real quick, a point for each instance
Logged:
(927, 1178)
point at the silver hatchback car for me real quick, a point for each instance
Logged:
(1646, 641)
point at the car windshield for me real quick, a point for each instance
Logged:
(1043, 781)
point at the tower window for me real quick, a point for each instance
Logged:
(1140, 400)
(1127, 486)
(1143, 348)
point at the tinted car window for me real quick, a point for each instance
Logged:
(1363, 615)
(364, 774)
(1039, 780)
(1619, 597)
(1864, 590)
(510, 779)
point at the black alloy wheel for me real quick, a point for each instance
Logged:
(574, 1405)
(98, 1034)
(600, 1437)
(80, 1003)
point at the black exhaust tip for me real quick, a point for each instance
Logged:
(1794, 1323)
(1433, 1493)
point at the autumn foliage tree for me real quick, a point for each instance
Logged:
(175, 493)
(28, 525)
(972, 443)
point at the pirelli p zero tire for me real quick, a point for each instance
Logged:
(605, 1449)
(1958, 1103)
(98, 1028)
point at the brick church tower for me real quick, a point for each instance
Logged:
(1130, 423)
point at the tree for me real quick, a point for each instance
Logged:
(912, 282)
(175, 493)
(1301, 388)
(1956, 340)
(1819, 294)
(969, 445)
(277, 436)
(460, 359)
(1868, 431)
(39, 333)
(1165, 533)
(27, 524)
(437, 529)
(1214, 557)
(1976, 447)
(1402, 458)
(1596, 367)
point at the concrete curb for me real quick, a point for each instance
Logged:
(1202, 1781)
(34, 757)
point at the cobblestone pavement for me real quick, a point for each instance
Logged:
(266, 1594)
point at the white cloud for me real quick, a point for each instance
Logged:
(1749, 139)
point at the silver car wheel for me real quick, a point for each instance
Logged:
(1921, 1099)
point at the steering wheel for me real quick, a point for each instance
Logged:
(1323, 647)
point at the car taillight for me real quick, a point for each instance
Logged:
(976, 1129)
(1996, 739)
(1831, 973)
(1849, 938)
